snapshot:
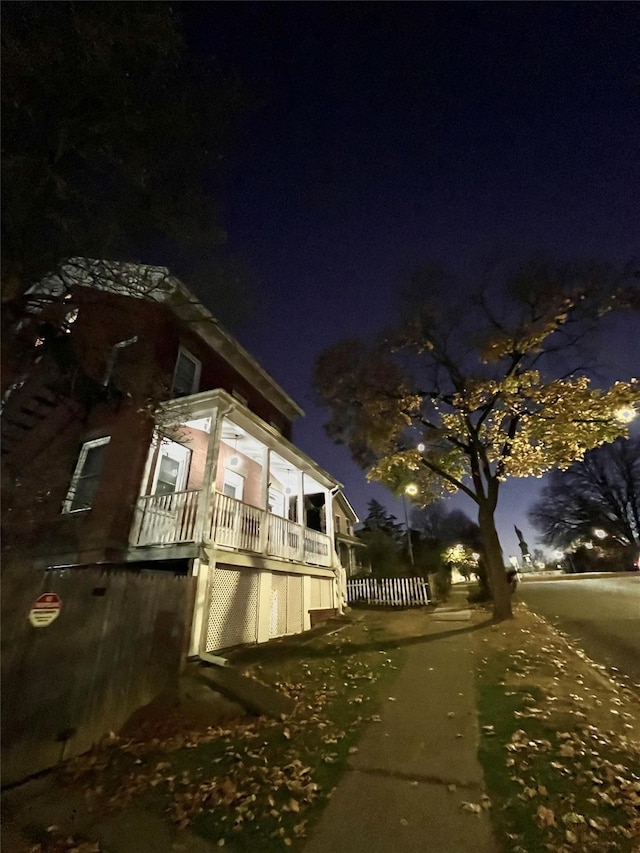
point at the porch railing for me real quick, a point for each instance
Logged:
(239, 525)
(166, 519)
(171, 519)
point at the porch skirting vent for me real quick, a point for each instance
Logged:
(233, 609)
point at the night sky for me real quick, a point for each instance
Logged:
(391, 134)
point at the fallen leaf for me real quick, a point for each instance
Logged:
(545, 816)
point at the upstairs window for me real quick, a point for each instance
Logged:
(86, 475)
(337, 524)
(186, 377)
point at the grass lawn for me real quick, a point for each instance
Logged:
(255, 783)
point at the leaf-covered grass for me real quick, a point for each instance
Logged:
(258, 783)
(559, 777)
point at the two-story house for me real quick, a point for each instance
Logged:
(154, 506)
(140, 432)
(348, 545)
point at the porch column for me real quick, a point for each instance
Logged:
(300, 500)
(200, 570)
(302, 520)
(264, 491)
(328, 516)
(205, 505)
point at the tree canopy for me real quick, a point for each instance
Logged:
(384, 538)
(113, 139)
(476, 384)
(602, 492)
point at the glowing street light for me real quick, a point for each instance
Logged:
(411, 490)
(625, 414)
(600, 533)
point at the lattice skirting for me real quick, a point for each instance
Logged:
(233, 608)
(235, 600)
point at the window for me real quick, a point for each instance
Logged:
(337, 524)
(86, 475)
(233, 485)
(172, 468)
(186, 378)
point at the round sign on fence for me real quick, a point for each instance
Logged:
(45, 609)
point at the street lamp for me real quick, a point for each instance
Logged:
(625, 414)
(600, 533)
(410, 489)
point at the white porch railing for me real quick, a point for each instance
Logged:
(171, 519)
(166, 519)
(239, 525)
(236, 524)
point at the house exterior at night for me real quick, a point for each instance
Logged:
(208, 485)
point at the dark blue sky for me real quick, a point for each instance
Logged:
(396, 133)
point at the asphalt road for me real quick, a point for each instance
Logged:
(601, 614)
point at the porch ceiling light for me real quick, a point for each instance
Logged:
(235, 459)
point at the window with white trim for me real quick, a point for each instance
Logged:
(86, 475)
(186, 376)
(233, 484)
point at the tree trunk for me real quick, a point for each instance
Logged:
(497, 576)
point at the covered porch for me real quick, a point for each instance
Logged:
(217, 475)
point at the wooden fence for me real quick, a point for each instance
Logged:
(390, 592)
(117, 643)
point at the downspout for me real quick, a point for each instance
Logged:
(216, 660)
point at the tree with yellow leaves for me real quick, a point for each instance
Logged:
(466, 392)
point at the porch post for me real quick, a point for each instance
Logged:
(328, 516)
(264, 491)
(302, 520)
(205, 505)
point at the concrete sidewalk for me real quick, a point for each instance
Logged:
(406, 787)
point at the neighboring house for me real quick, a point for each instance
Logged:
(347, 543)
(213, 489)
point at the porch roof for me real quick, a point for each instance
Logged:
(202, 404)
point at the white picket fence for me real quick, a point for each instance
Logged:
(391, 592)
